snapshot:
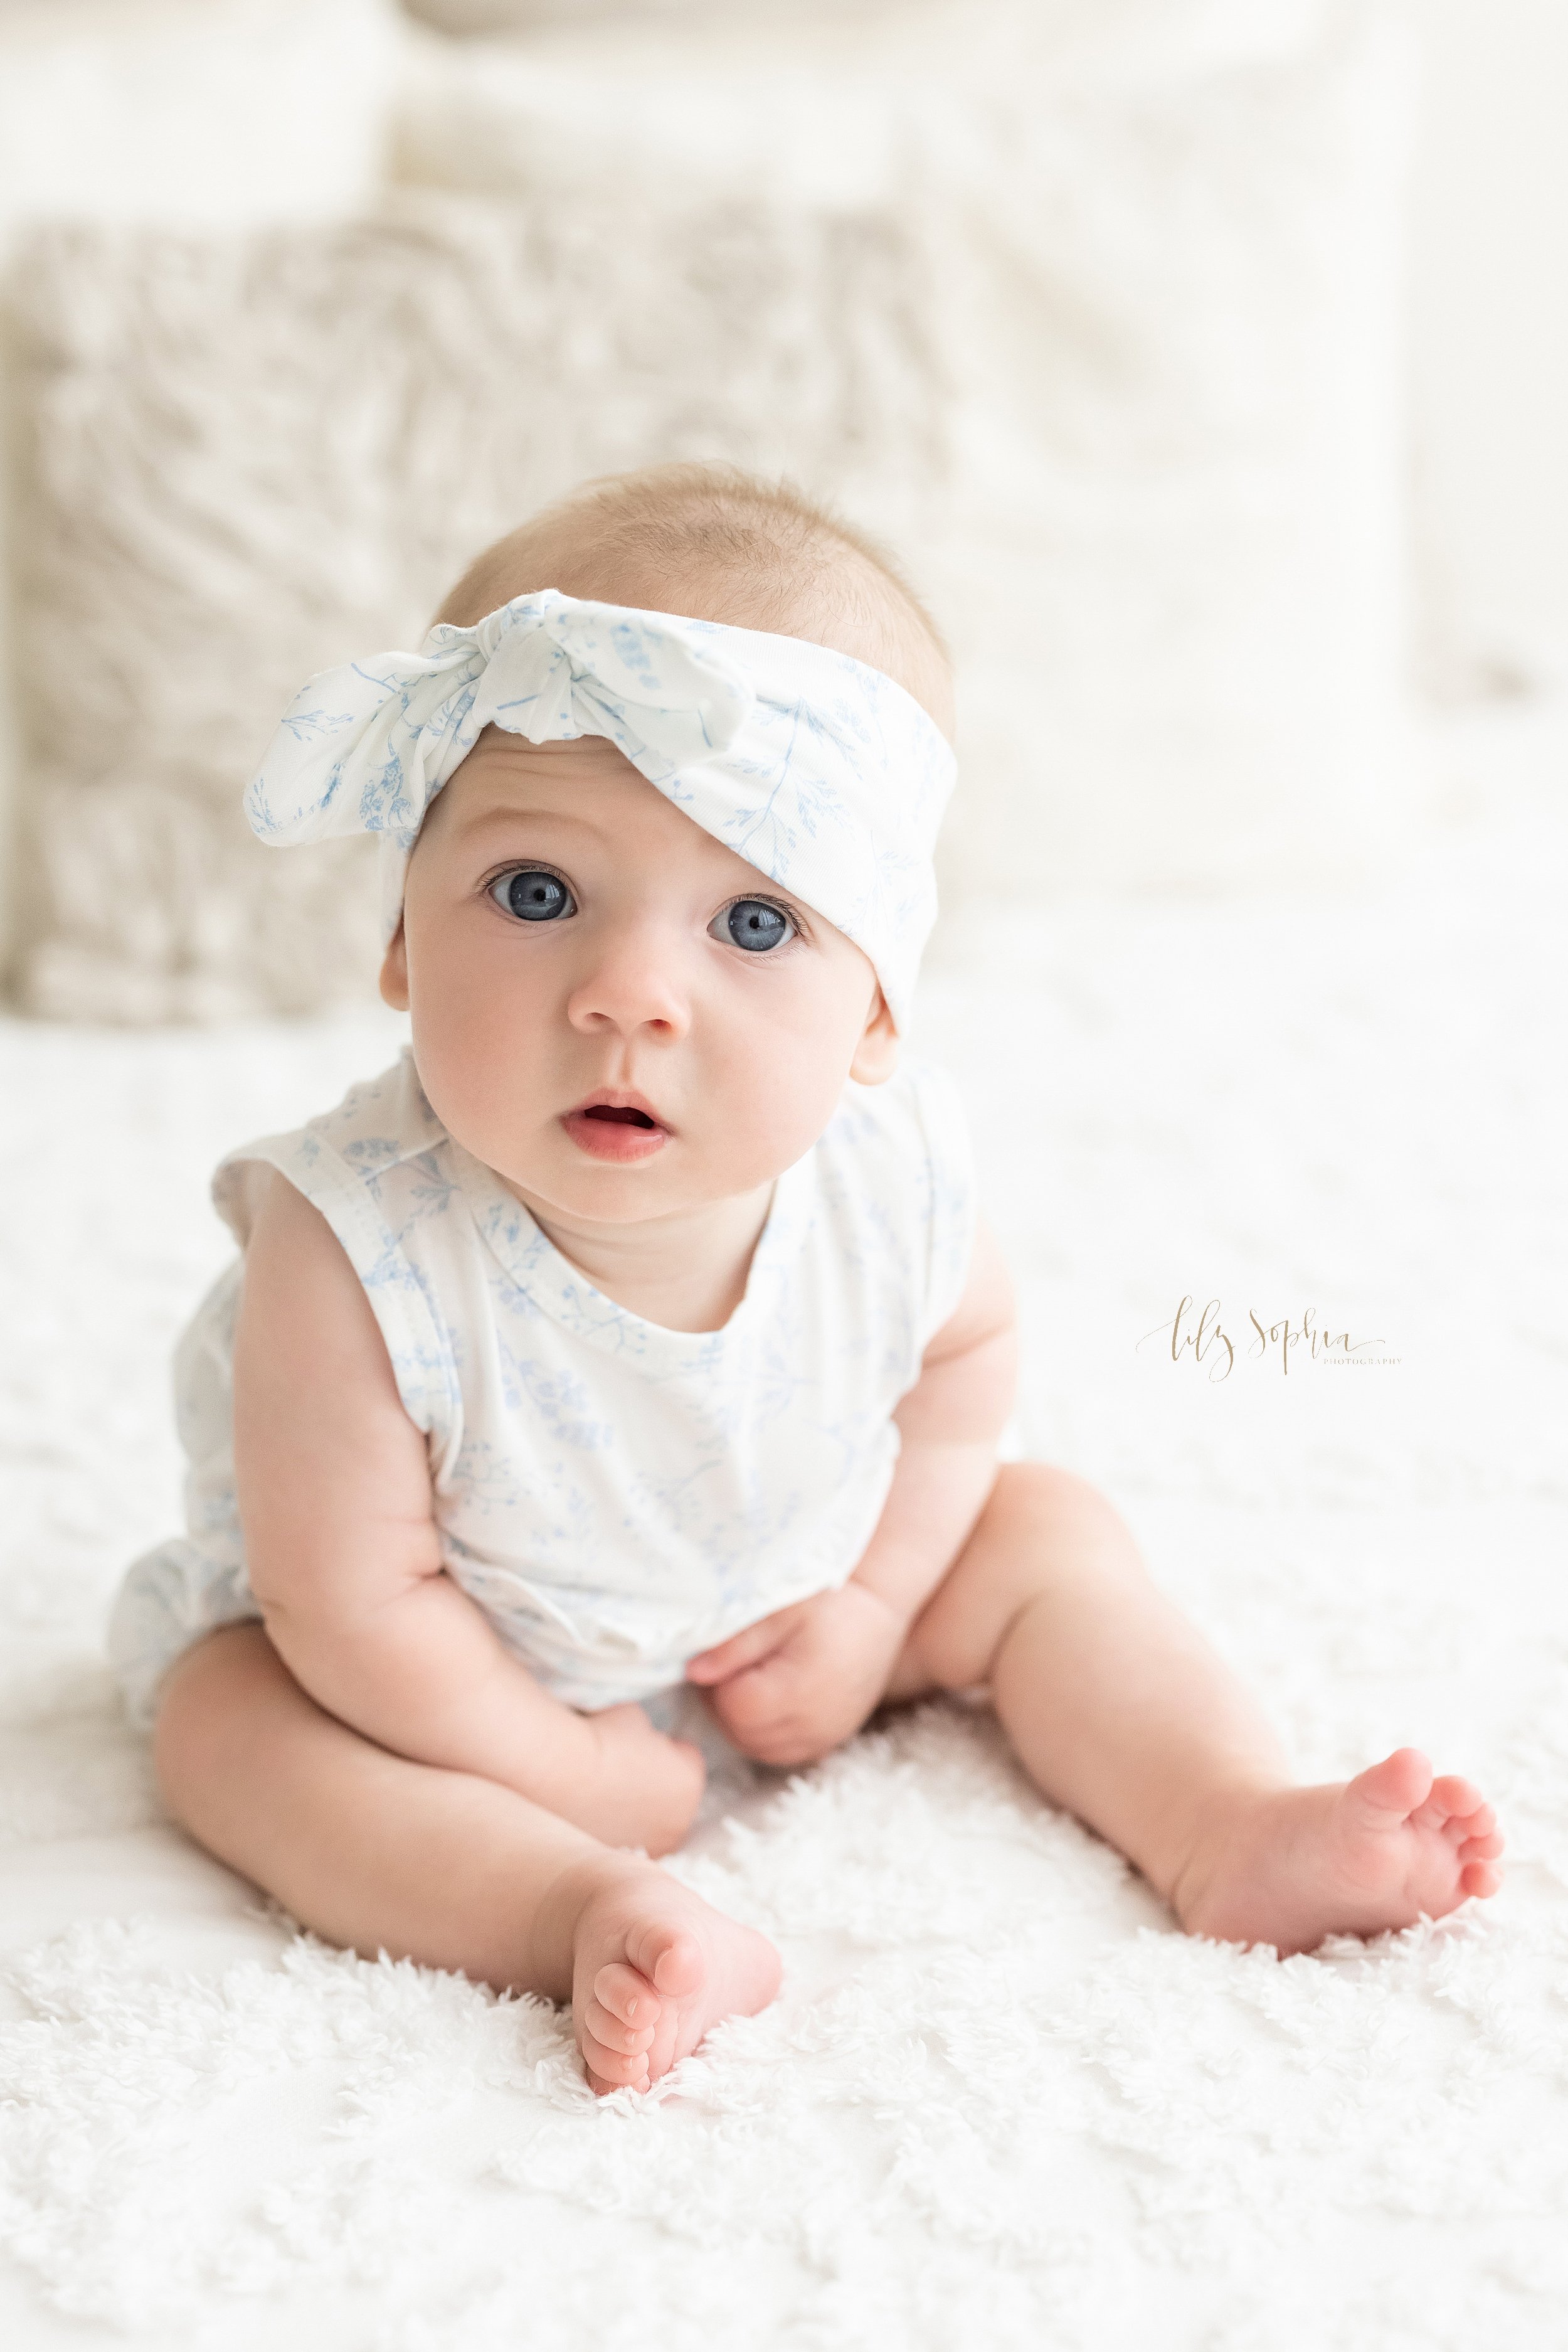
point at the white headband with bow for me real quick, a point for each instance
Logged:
(821, 772)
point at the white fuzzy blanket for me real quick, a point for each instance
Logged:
(1000, 2100)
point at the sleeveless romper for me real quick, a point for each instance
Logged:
(613, 1495)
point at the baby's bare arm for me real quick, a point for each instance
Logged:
(948, 1426)
(345, 1561)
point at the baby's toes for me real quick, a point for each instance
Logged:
(610, 2034)
(626, 1994)
(670, 1958)
(1388, 1794)
(666, 2035)
(1480, 1879)
(1462, 1828)
(1456, 1799)
(612, 2070)
(1481, 1849)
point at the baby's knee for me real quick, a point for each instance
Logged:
(1028, 1492)
(206, 1695)
(1040, 1525)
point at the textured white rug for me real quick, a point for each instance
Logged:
(1000, 2101)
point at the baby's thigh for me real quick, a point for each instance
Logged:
(230, 1719)
(371, 1849)
(285, 1793)
(272, 1784)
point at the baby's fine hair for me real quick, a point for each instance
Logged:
(719, 544)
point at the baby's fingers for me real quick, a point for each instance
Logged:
(764, 1712)
(742, 1650)
(780, 1738)
(752, 1699)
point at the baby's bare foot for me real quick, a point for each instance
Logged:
(1289, 1866)
(643, 1788)
(654, 1965)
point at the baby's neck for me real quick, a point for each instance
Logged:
(687, 1273)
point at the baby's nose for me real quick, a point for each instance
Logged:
(632, 982)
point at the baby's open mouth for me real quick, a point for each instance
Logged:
(626, 1118)
(621, 1132)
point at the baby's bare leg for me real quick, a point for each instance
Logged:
(1120, 1712)
(376, 1852)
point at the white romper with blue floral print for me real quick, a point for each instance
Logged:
(613, 1495)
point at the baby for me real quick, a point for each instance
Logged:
(638, 1329)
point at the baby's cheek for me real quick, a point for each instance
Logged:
(482, 1050)
(773, 1088)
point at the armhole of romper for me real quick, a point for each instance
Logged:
(421, 1358)
(952, 1195)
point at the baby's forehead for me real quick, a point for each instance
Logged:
(504, 763)
(507, 771)
(583, 788)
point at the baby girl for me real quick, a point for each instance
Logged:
(638, 1329)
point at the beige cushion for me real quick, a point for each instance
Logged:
(188, 111)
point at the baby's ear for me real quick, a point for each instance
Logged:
(876, 1055)
(395, 971)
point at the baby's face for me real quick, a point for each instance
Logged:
(569, 935)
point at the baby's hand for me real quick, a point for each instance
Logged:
(641, 1788)
(804, 1680)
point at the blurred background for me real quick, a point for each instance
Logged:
(1205, 360)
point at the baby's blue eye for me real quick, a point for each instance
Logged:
(754, 924)
(532, 894)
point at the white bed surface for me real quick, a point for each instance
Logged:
(1000, 2101)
